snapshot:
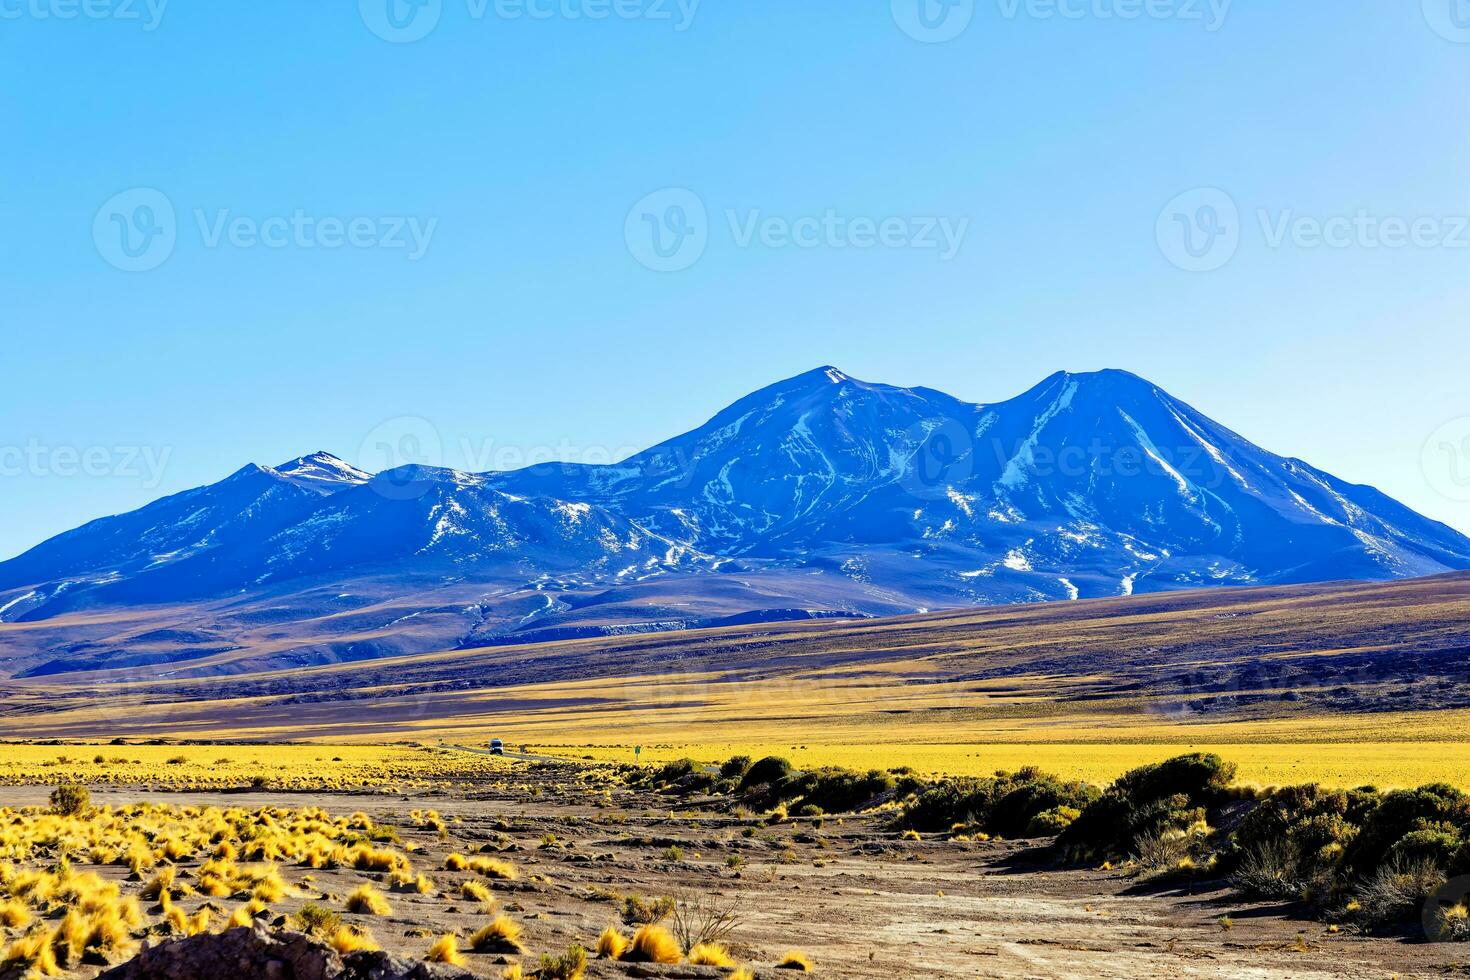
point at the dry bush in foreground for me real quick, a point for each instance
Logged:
(701, 920)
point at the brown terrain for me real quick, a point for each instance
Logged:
(1232, 654)
(852, 894)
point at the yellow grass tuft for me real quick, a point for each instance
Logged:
(795, 960)
(69, 938)
(14, 915)
(611, 944)
(160, 884)
(475, 891)
(711, 954)
(446, 950)
(348, 939)
(404, 880)
(33, 954)
(652, 944)
(492, 868)
(501, 935)
(367, 900)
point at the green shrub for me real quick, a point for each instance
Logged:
(1050, 823)
(71, 799)
(1399, 814)
(1008, 804)
(1147, 802)
(772, 769)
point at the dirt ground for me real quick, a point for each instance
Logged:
(860, 901)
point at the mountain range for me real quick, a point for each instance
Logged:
(821, 495)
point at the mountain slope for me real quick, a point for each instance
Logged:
(818, 495)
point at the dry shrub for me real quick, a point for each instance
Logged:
(318, 921)
(571, 965)
(1397, 891)
(1450, 924)
(701, 920)
(1155, 852)
(1270, 869)
(640, 911)
(70, 800)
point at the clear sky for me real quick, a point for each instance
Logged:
(501, 295)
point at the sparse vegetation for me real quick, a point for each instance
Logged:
(653, 944)
(500, 935)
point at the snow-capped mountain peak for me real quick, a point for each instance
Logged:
(322, 472)
(854, 496)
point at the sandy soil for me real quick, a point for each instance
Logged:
(860, 901)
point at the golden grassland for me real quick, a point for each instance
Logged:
(1387, 765)
(233, 866)
(86, 886)
(1074, 688)
(386, 768)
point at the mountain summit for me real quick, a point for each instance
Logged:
(821, 494)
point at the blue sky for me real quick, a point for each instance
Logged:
(498, 304)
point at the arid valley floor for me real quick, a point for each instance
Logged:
(272, 798)
(859, 899)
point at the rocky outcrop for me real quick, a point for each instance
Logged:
(249, 953)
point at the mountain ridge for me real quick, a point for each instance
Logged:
(818, 494)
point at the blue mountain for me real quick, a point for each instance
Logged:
(821, 494)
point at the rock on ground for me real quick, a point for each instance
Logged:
(249, 953)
